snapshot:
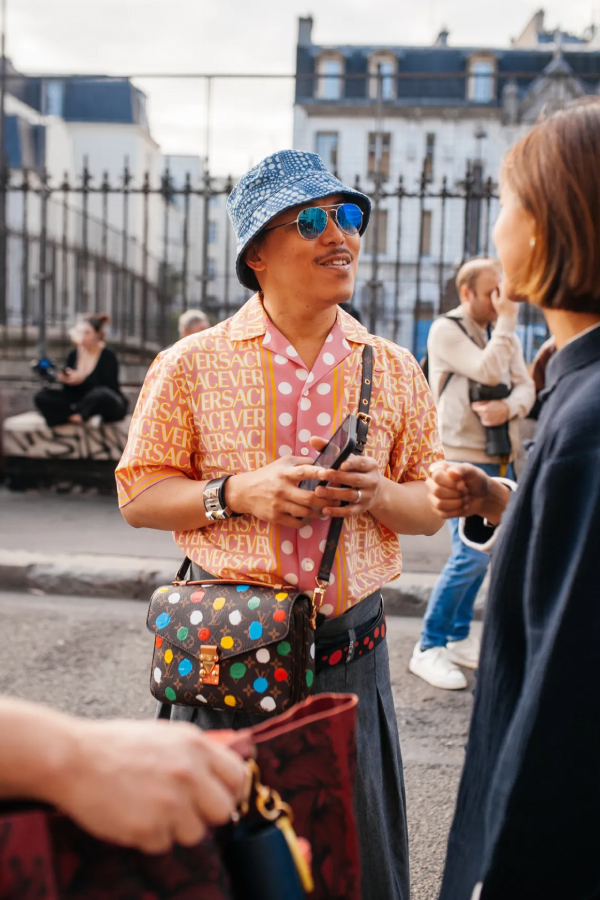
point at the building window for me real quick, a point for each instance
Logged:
(379, 153)
(382, 69)
(425, 237)
(481, 81)
(382, 222)
(429, 157)
(211, 270)
(212, 232)
(55, 95)
(327, 148)
(331, 70)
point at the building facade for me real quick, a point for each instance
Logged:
(424, 130)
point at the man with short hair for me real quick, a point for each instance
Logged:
(462, 351)
(254, 400)
(191, 322)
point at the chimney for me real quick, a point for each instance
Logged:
(442, 38)
(305, 25)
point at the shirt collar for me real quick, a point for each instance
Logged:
(582, 333)
(577, 354)
(251, 321)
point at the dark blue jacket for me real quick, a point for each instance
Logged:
(527, 822)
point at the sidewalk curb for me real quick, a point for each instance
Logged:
(118, 577)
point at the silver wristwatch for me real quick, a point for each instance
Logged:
(214, 500)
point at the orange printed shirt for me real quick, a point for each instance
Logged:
(236, 397)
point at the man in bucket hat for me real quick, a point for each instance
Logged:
(247, 406)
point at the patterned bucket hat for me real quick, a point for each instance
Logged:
(278, 182)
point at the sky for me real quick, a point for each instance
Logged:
(248, 119)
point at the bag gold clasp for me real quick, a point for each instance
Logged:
(209, 664)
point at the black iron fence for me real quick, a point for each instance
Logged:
(145, 249)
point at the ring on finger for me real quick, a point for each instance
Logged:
(359, 492)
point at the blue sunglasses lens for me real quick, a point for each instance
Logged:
(349, 218)
(312, 223)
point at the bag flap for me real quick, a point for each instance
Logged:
(234, 617)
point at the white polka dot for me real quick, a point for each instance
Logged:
(290, 351)
(267, 338)
(263, 656)
(201, 698)
(329, 339)
(268, 704)
(302, 374)
(307, 564)
(331, 578)
(326, 609)
(157, 675)
(285, 388)
(196, 617)
(174, 598)
(291, 578)
(312, 651)
(281, 360)
(323, 388)
(310, 378)
(346, 344)
(304, 451)
(305, 403)
(306, 532)
(328, 359)
(287, 547)
(284, 450)
(322, 546)
(323, 418)
(235, 617)
(285, 419)
(304, 435)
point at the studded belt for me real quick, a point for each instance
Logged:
(351, 645)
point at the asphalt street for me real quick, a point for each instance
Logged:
(92, 657)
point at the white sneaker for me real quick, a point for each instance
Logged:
(434, 667)
(466, 652)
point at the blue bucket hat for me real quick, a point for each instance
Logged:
(278, 182)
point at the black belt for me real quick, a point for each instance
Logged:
(351, 645)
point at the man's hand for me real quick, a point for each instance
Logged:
(272, 493)
(491, 412)
(147, 784)
(461, 489)
(361, 478)
(504, 306)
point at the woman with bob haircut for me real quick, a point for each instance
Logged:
(527, 821)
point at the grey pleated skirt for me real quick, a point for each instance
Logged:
(379, 795)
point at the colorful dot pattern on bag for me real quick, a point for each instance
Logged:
(255, 660)
(255, 631)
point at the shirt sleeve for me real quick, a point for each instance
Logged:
(458, 353)
(522, 397)
(418, 444)
(162, 440)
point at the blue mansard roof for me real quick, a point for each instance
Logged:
(87, 99)
(518, 65)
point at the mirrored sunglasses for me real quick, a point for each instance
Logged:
(312, 221)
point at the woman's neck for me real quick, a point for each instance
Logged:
(566, 325)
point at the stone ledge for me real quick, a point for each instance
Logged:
(118, 577)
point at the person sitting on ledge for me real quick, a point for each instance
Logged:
(90, 379)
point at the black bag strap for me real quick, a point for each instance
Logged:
(362, 432)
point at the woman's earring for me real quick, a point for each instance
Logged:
(532, 242)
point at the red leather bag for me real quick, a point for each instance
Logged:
(307, 755)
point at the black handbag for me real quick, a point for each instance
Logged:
(243, 646)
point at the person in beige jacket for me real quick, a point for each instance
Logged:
(461, 353)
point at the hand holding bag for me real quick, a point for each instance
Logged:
(243, 646)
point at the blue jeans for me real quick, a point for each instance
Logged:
(450, 609)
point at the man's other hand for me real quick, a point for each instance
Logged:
(491, 412)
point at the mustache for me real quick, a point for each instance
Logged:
(332, 254)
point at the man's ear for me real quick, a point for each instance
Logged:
(253, 258)
(465, 293)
